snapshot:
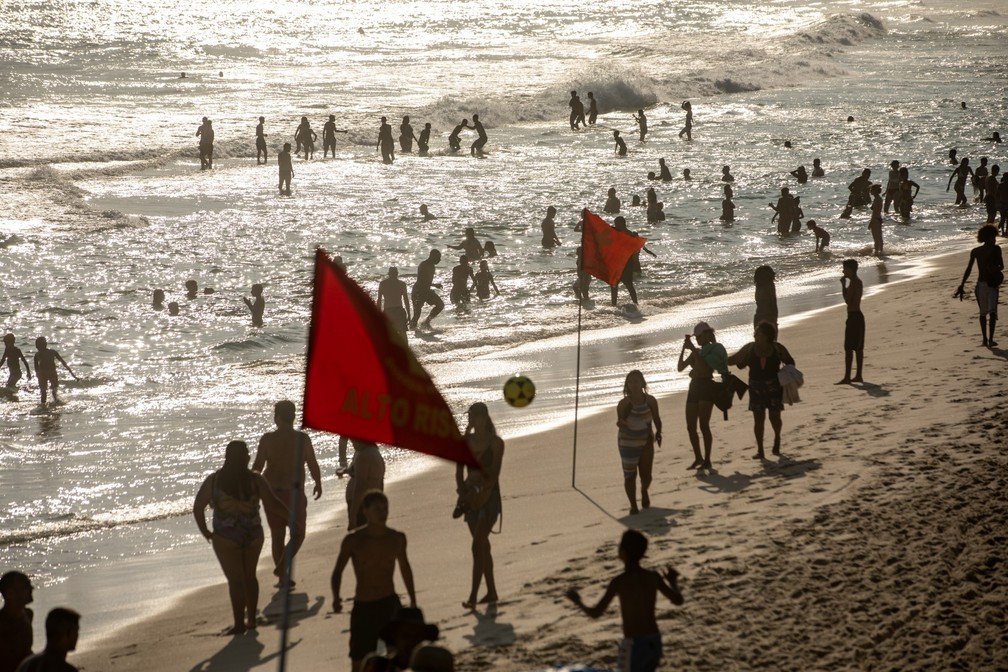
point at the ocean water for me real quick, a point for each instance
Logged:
(104, 202)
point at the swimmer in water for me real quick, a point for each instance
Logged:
(665, 175)
(484, 281)
(641, 123)
(549, 237)
(800, 174)
(686, 174)
(45, 369)
(822, 236)
(425, 213)
(612, 204)
(256, 305)
(817, 170)
(621, 149)
(726, 175)
(727, 205)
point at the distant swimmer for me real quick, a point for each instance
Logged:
(393, 300)
(665, 175)
(593, 110)
(787, 144)
(995, 138)
(261, 142)
(657, 213)
(963, 104)
(454, 143)
(45, 369)
(686, 175)
(206, 135)
(875, 225)
(620, 145)
(158, 299)
(484, 281)
(306, 138)
(727, 205)
(460, 290)
(635, 201)
(641, 123)
(688, 128)
(256, 305)
(423, 292)
(612, 204)
(192, 289)
(476, 149)
(406, 136)
(850, 119)
(329, 132)
(385, 142)
(549, 237)
(173, 309)
(652, 175)
(489, 249)
(726, 175)
(906, 193)
(576, 110)
(822, 236)
(13, 356)
(470, 245)
(817, 170)
(952, 156)
(286, 169)
(960, 175)
(423, 142)
(800, 174)
(425, 213)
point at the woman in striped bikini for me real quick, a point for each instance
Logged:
(635, 414)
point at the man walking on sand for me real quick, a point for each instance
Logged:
(276, 460)
(854, 332)
(374, 550)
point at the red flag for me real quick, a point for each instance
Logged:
(362, 380)
(605, 251)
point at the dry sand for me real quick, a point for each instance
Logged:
(877, 541)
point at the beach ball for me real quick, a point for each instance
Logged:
(519, 391)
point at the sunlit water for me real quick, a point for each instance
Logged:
(104, 202)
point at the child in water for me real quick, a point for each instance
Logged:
(822, 236)
(257, 305)
(484, 280)
(620, 145)
(636, 589)
(13, 356)
(45, 368)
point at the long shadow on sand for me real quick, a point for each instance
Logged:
(299, 608)
(1000, 352)
(489, 632)
(715, 482)
(240, 654)
(872, 389)
(597, 505)
(790, 468)
(654, 519)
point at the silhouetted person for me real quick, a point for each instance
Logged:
(425, 213)
(621, 149)
(307, 137)
(727, 205)
(875, 224)
(800, 174)
(454, 142)
(173, 309)
(406, 136)
(423, 142)
(472, 247)
(576, 110)
(206, 135)
(261, 153)
(641, 123)
(157, 300)
(14, 357)
(686, 175)
(405, 634)
(906, 193)
(489, 249)
(980, 180)
(462, 274)
(990, 275)
(329, 137)
(484, 281)
(991, 188)
(787, 144)
(62, 628)
(1002, 204)
(393, 300)
(374, 550)
(612, 204)
(688, 128)
(726, 175)
(385, 142)
(822, 236)
(783, 211)
(765, 295)
(423, 292)
(15, 620)
(817, 170)
(593, 110)
(286, 167)
(583, 280)
(995, 138)
(854, 331)
(256, 305)
(952, 156)
(276, 459)
(960, 175)
(476, 149)
(637, 589)
(549, 237)
(859, 194)
(45, 369)
(665, 175)
(892, 185)
(632, 266)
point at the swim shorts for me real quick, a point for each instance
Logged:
(367, 620)
(987, 298)
(854, 332)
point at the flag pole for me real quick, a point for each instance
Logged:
(577, 366)
(285, 580)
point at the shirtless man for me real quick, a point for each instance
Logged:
(367, 473)
(276, 460)
(576, 110)
(329, 137)
(454, 142)
(960, 174)
(549, 237)
(15, 620)
(45, 369)
(423, 142)
(621, 149)
(423, 292)
(374, 551)
(470, 245)
(476, 149)
(854, 332)
(592, 108)
(385, 142)
(641, 123)
(892, 185)
(261, 142)
(460, 289)
(990, 275)
(393, 300)
(286, 169)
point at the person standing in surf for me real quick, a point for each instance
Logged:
(406, 136)
(621, 149)
(476, 149)
(286, 166)
(875, 224)
(13, 356)
(423, 142)
(688, 128)
(394, 301)
(960, 175)
(549, 237)
(423, 292)
(45, 369)
(385, 142)
(592, 108)
(261, 142)
(454, 142)
(641, 123)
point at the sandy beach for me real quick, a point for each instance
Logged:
(875, 541)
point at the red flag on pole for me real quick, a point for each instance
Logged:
(362, 380)
(605, 251)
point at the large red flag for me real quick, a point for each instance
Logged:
(605, 251)
(363, 381)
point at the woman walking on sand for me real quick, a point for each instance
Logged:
(764, 358)
(635, 413)
(234, 492)
(480, 498)
(704, 360)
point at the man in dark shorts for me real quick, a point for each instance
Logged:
(990, 275)
(423, 292)
(374, 551)
(261, 154)
(854, 332)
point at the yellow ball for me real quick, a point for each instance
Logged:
(519, 391)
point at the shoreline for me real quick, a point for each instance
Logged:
(322, 532)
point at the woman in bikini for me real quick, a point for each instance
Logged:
(234, 492)
(764, 357)
(480, 498)
(635, 413)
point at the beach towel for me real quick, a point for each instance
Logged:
(790, 379)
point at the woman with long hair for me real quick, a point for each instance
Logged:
(480, 498)
(703, 361)
(635, 413)
(764, 357)
(234, 493)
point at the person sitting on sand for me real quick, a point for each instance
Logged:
(854, 331)
(822, 236)
(703, 361)
(635, 413)
(612, 204)
(403, 635)
(45, 369)
(374, 550)
(423, 292)
(484, 281)
(764, 358)
(426, 214)
(990, 275)
(636, 589)
(394, 301)
(817, 170)
(234, 493)
(454, 141)
(256, 305)
(621, 149)
(472, 247)
(16, 631)
(13, 356)
(549, 237)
